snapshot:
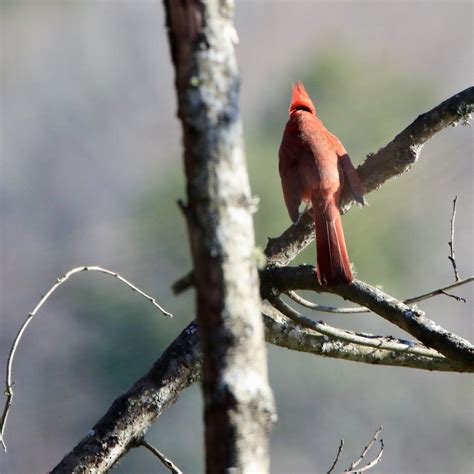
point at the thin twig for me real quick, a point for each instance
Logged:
(346, 310)
(439, 291)
(325, 309)
(167, 462)
(59, 282)
(339, 451)
(373, 463)
(452, 255)
(457, 298)
(377, 342)
(364, 453)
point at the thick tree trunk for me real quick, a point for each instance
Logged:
(238, 402)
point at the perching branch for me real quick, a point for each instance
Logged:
(9, 376)
(410, 319)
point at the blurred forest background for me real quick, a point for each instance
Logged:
(91, 169)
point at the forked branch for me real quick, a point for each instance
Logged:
(410, 319)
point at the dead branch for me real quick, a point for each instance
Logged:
(9, 375)
(367, 340)
(369, 465)
(339, 451)
(366, 450)
(164, 460)
(283, 332)
(452, 255)
(360, 309)
(410, 319)
(131, 414)
(440, 291)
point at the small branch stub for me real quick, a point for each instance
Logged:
(170, 465)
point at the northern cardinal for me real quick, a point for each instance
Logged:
(313, 164)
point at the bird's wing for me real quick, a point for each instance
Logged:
(290, 183)
(353, 179)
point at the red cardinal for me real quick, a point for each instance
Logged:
(313, 164)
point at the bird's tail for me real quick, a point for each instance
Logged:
(333, 266)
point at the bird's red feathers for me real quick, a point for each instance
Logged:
(313, 164)
(301, 99)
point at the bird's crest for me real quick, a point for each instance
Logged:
(301, 100)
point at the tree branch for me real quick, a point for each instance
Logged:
(360, 309)
(412, 320)
(126, 421)
(170, 465)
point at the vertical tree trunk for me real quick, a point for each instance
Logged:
(238, 401)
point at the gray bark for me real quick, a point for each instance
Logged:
(238, 403)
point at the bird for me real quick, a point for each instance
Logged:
(313, 166)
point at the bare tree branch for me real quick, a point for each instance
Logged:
(371, 464)
(281, 331)
(410, 319)
(367, 340)
(9, 374)
(131, 414)
(452, 254)
(339, 451)
(360, 309)
(440, 291)
(165, 461)
(366, 450)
